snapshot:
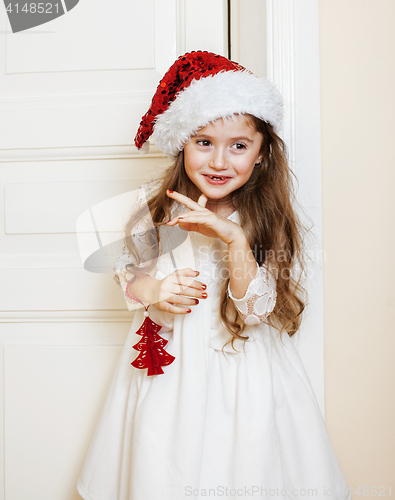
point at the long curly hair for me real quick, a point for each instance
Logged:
(273, 229)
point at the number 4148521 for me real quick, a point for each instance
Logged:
(32, 8)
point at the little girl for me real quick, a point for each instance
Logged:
(210, 397)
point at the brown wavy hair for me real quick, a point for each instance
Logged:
(273, 229)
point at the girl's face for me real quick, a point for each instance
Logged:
(221, 157)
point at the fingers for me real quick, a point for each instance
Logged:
(188, 291)
(202, 217)
(177, 293)
(180, 289)
(168, 307)
(181, 283)
(186, 271)
(195, 208)
(202, 201)
(177, 304)
(181, 300)
(182, 278)
(185, 200)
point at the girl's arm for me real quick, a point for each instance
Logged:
(260, 297)
(251, 287)
(242, 264)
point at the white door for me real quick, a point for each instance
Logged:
(72, 94)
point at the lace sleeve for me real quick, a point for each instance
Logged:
(122, 277)
(143, 241)
(259, 299)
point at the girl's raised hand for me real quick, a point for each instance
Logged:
(204, 221)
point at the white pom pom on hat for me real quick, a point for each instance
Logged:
(199, 88)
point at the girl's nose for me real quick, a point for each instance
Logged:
(218, 160)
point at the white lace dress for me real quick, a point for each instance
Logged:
(233, 424)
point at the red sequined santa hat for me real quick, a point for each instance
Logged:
(199, 88)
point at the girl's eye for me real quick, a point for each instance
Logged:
(239, 145)
(203, 142)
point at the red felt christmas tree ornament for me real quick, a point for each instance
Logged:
(151, 346)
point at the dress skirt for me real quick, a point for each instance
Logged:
(229, 424)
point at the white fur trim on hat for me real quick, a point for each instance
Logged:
(216, 96)
(144, 150)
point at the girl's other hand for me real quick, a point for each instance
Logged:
(178, 290)
(202, 220)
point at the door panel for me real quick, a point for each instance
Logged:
(72, 94)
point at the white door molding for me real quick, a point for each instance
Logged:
(280, 61)
(293, 65)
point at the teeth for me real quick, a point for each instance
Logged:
(212, 177)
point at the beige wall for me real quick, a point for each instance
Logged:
(357, 53)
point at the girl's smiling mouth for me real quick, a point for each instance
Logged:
(216, 179)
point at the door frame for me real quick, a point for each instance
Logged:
(293, 65)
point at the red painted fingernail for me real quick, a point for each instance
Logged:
(180, 218)
(189, 310)
(170, 190)
(204, 295)
(196, 301)
(204, 287)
